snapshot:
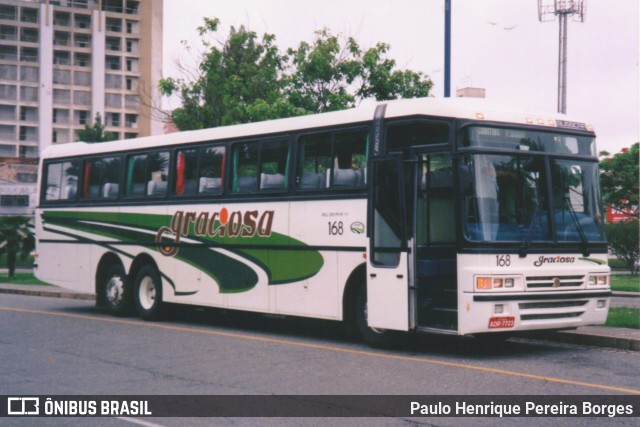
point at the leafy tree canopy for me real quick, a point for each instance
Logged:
(247, 78)
(619, 179)
(95, 132)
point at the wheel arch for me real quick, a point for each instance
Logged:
(358, 277)
(140, 261)
(106, 261)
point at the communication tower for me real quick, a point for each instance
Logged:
(547, 11)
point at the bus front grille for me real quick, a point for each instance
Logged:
(543, 310)
(550, 282)
(526, 317)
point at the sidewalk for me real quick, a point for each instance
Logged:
(622, 338)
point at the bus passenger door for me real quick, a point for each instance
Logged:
(387, 265)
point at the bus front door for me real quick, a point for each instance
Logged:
(388, 250)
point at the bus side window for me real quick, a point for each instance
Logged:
(186, 172)
(274, 165)
(211, 170)
(147, 174)
(404, 135)
(315, 161)
(62, 180)
(245, 167)
(349, 159)
(435, 204)
(101, 177)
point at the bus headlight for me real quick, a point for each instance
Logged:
(598, 280)
(496, 282)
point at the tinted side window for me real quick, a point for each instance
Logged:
(315, 161)
(405, 135)
(274, 165)
(260, 166)
(349, 159)
(147, 174)
(199, 171)
(335, 160)
(245, 167)
(62, 180)
(101, 178)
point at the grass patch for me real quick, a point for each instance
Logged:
(625, 283)
(21, 279)
(624, 317)
(20, 263)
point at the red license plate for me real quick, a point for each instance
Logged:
(502, 322)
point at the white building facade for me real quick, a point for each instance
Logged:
(62, 62)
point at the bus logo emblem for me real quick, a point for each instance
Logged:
(357, 228)
(556, 282)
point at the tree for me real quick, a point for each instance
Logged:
(624, 241)
(247, 79)
(329, 76)
(95, 132)
(15, 239)
(619, 177)
(238, 82)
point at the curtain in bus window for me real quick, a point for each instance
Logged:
(87, 174)
(180, 165)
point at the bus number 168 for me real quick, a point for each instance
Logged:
(335, 228)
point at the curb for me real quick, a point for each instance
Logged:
(48, 293)
(591, 339)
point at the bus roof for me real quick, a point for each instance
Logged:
(465, 108)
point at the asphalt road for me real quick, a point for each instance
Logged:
(65, 347)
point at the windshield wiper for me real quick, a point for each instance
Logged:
(583, 237)
(527, 239)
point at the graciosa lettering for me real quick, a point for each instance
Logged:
(221, 224)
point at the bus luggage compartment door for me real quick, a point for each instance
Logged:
(387, 268)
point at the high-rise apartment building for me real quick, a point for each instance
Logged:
(61, 63)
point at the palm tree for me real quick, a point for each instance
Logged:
(15, 239)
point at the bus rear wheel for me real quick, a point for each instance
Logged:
(116, 292)
(372, 336)
(148, 293)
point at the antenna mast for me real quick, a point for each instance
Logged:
(547, 11)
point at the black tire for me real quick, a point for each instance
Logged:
(116, 291)
(373, 337)
(148, 293)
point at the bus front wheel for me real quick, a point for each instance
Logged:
(148, 292)
(116, 292)
(372, 336)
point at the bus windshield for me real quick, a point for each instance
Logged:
(506, 199)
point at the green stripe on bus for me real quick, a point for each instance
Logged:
(281, 266)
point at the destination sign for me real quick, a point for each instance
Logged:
(571, 125)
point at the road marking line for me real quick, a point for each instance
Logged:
(326, 348)
(139, 422)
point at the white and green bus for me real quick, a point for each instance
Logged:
(421, 215)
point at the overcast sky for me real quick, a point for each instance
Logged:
(498, 45)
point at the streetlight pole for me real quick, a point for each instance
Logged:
(447, 48)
